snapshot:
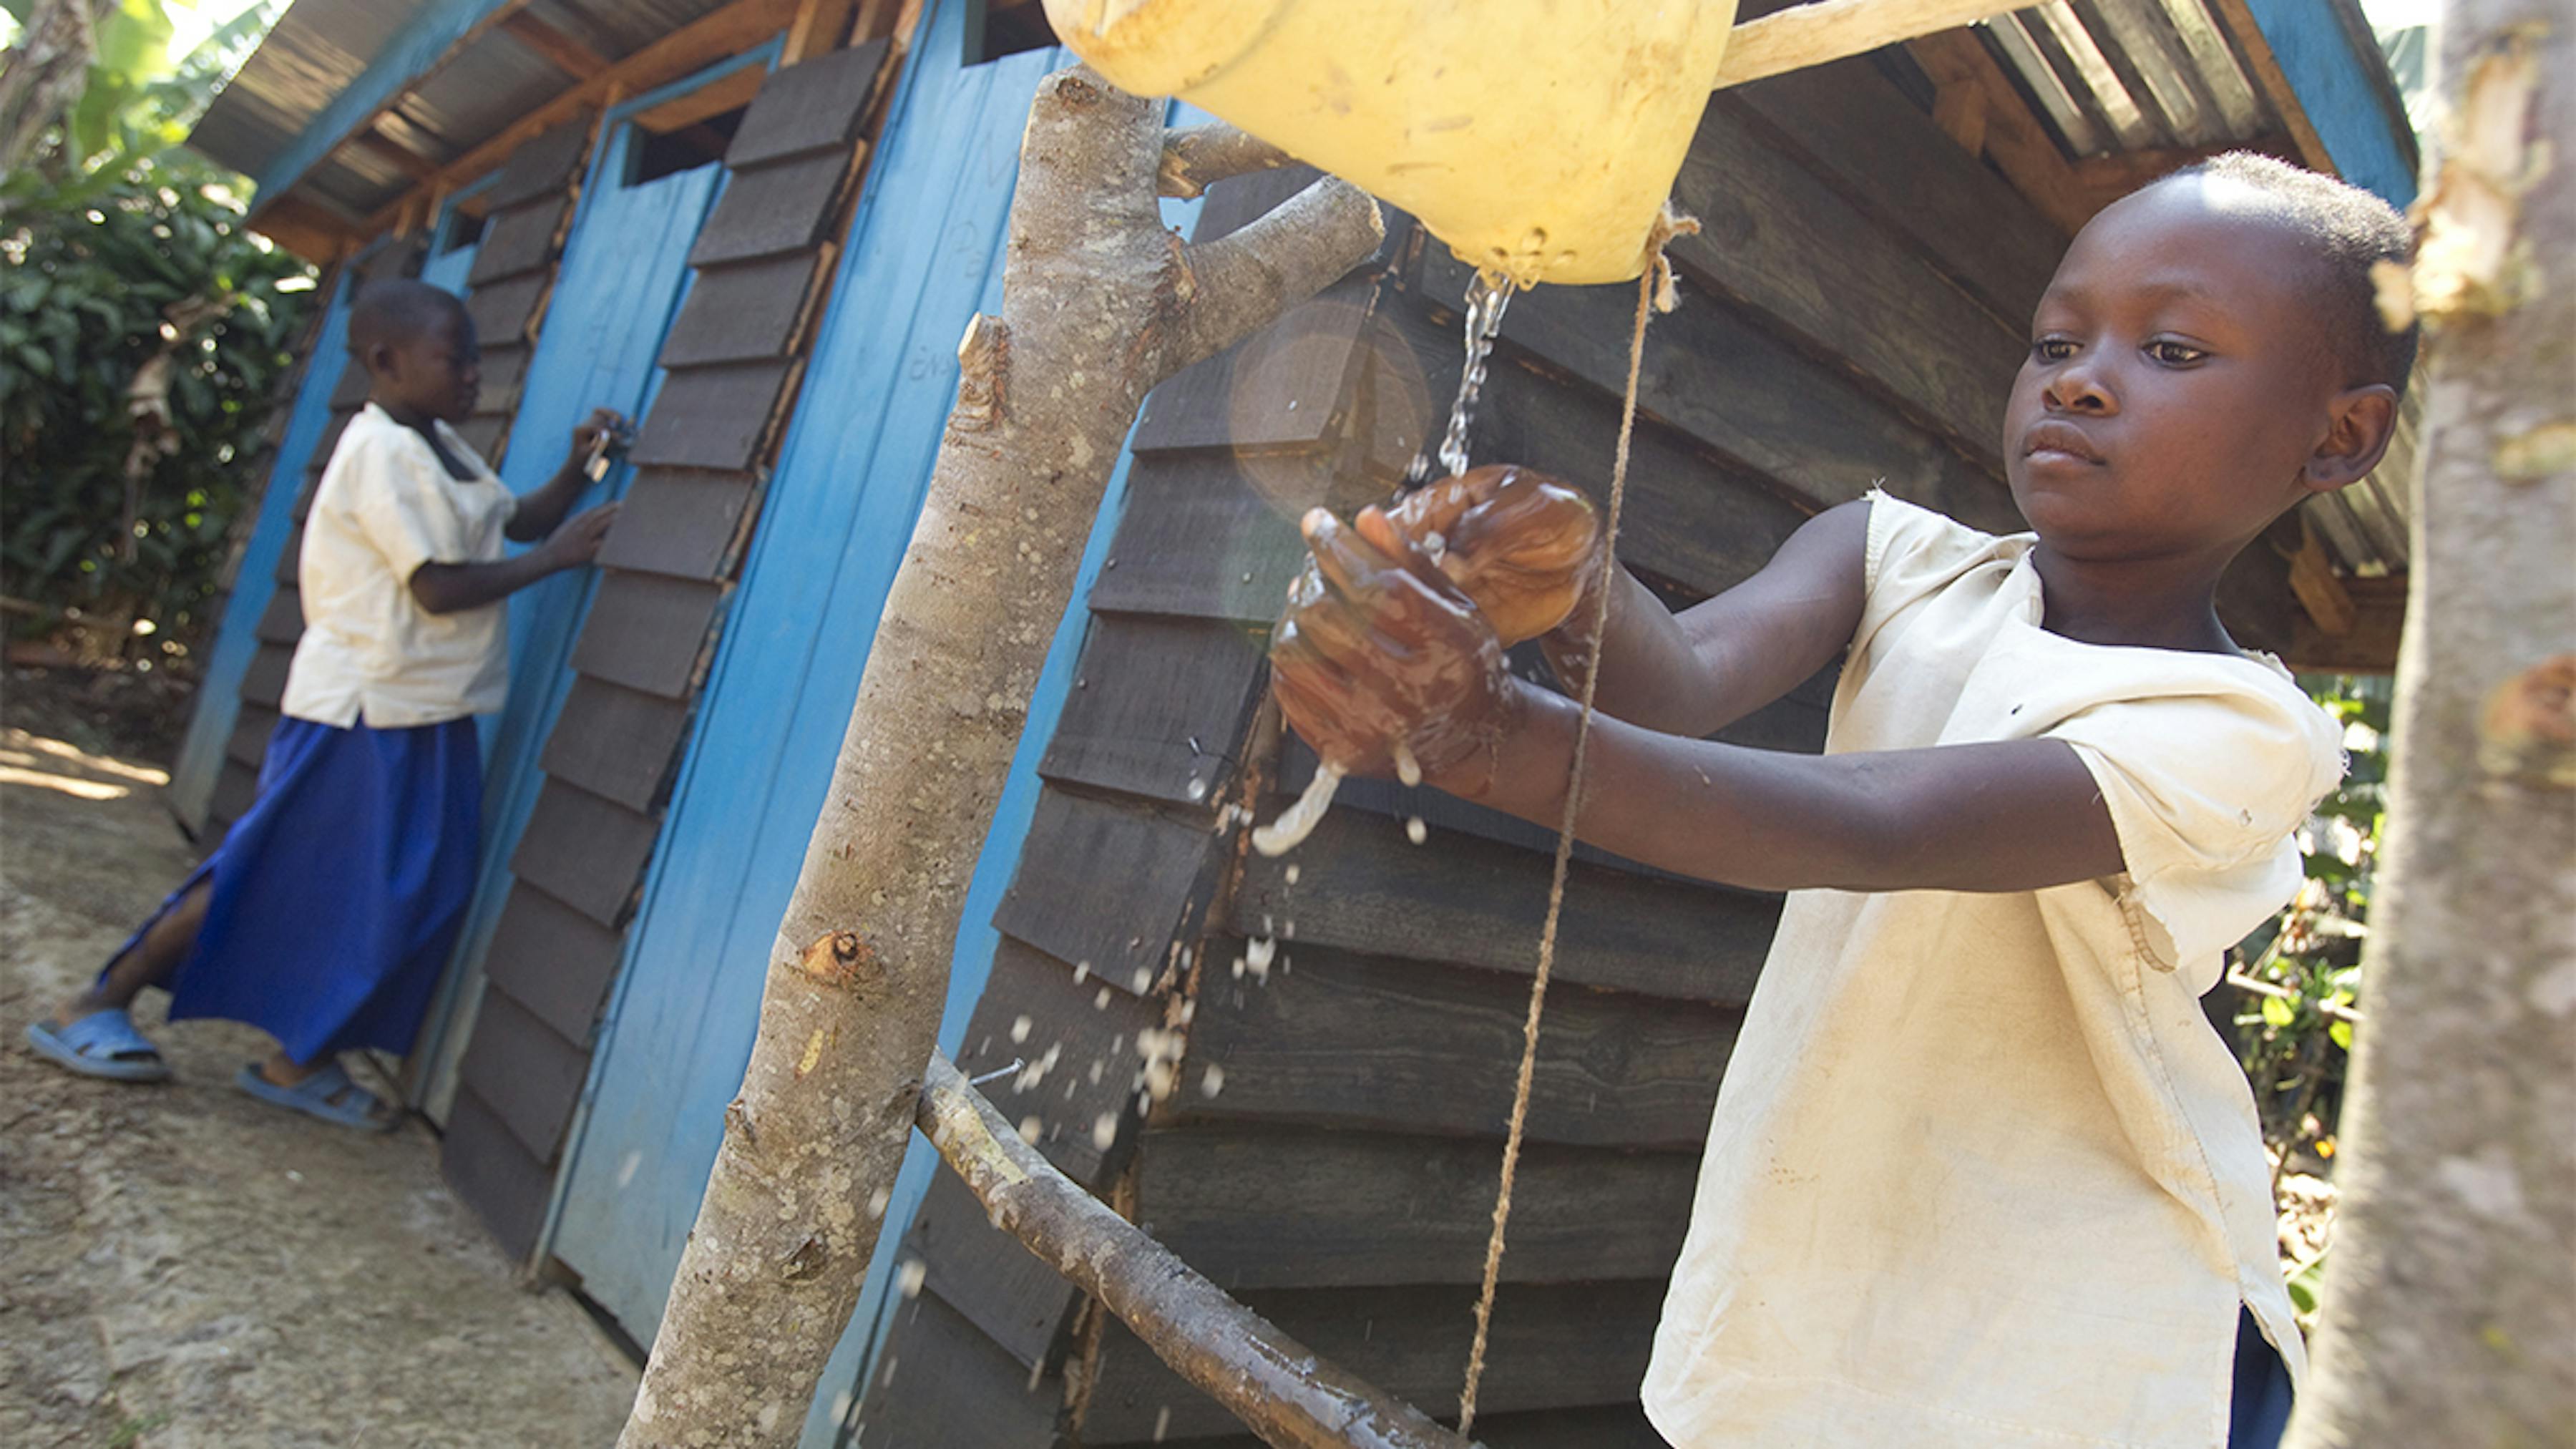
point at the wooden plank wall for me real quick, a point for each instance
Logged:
(731, 362)
(1332, 1056)
(529, 202)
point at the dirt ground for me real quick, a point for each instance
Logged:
(182, 1266)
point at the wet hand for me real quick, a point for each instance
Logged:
(578, 541)
(1378, 648)
(1523, 546)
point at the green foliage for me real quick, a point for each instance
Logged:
(2296, 1031)
(117, 248)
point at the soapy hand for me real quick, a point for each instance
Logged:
(1523, 546)
(1378, 648)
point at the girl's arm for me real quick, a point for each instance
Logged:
(2011, 815)
(448, 588)
(1698, 671)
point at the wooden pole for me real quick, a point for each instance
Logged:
(1273, 1383)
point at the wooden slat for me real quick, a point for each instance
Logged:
(504, 368)
(1007, 1292)
(505, 313)
(1553, 1346)
(684, 522)
(290, 559)
(939, 1382)
(1736, 388)
(542, 165)
(1340, 1040)
(1278, 388)
(494, 1174)
(714, 417)
(814, 105)
(485, 435)
(1298, 1208)
(1781, 241)
(236, 786)
(265, 681)
(776, 209)
(1691, 517)
(346, 394)
(647, 631)
(1073, 1020)
(744, 313)
(251, 729)
(524, 1072)
(616, 742)
(586, 852)
(1363, 887)
(1173, 699)
(553, 960)
(1196, 524)
(520, 239)
(1107, 885)
(282, 622)
(1853, 126)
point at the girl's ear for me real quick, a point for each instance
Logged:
(2360, 423)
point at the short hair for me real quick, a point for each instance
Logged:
(2349, 231)
(394, 310)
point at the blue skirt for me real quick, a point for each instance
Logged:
(338, 896)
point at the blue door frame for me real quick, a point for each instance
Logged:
(621, 282)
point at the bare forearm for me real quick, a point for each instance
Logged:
(443, 588)
(543, 511)
(1651, 675)
(2008, 816)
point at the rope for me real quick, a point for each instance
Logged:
(1655, 293)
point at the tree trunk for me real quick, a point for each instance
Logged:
(43, 74)
(1099, 304)
(2450, 1303)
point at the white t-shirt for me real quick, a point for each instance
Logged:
(370, 652)
(1981, 1173)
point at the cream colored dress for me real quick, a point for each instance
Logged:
(370, 653)
(1981, 1172)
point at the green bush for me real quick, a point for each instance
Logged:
(143, 336)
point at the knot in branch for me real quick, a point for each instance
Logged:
(842, 960)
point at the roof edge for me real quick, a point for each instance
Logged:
(442, 28)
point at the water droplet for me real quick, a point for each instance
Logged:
(1415, 830)
(1020, 1031)
(908, 1278)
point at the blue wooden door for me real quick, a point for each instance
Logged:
(623, 274)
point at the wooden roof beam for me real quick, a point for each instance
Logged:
(1829, 30)
(730, 31)
(560, 50)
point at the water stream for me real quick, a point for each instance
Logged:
(1487, 296)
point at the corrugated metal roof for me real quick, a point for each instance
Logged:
(321, 48)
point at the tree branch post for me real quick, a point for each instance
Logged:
(1098, 307)
(2450, 1295)
(1275, 1384)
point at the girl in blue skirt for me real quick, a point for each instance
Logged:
(326, 915)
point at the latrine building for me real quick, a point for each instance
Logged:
(761, 226)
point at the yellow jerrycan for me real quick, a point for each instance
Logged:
(1538, 138)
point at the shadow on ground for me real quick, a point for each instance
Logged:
(181, 1266)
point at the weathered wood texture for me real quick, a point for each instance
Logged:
(731, 361)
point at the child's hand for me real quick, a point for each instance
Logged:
(1377, 649)
(1525, 547)
(602, 423)
(577, 542)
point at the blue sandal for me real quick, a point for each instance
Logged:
(103, 1044)
(328, 1094)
